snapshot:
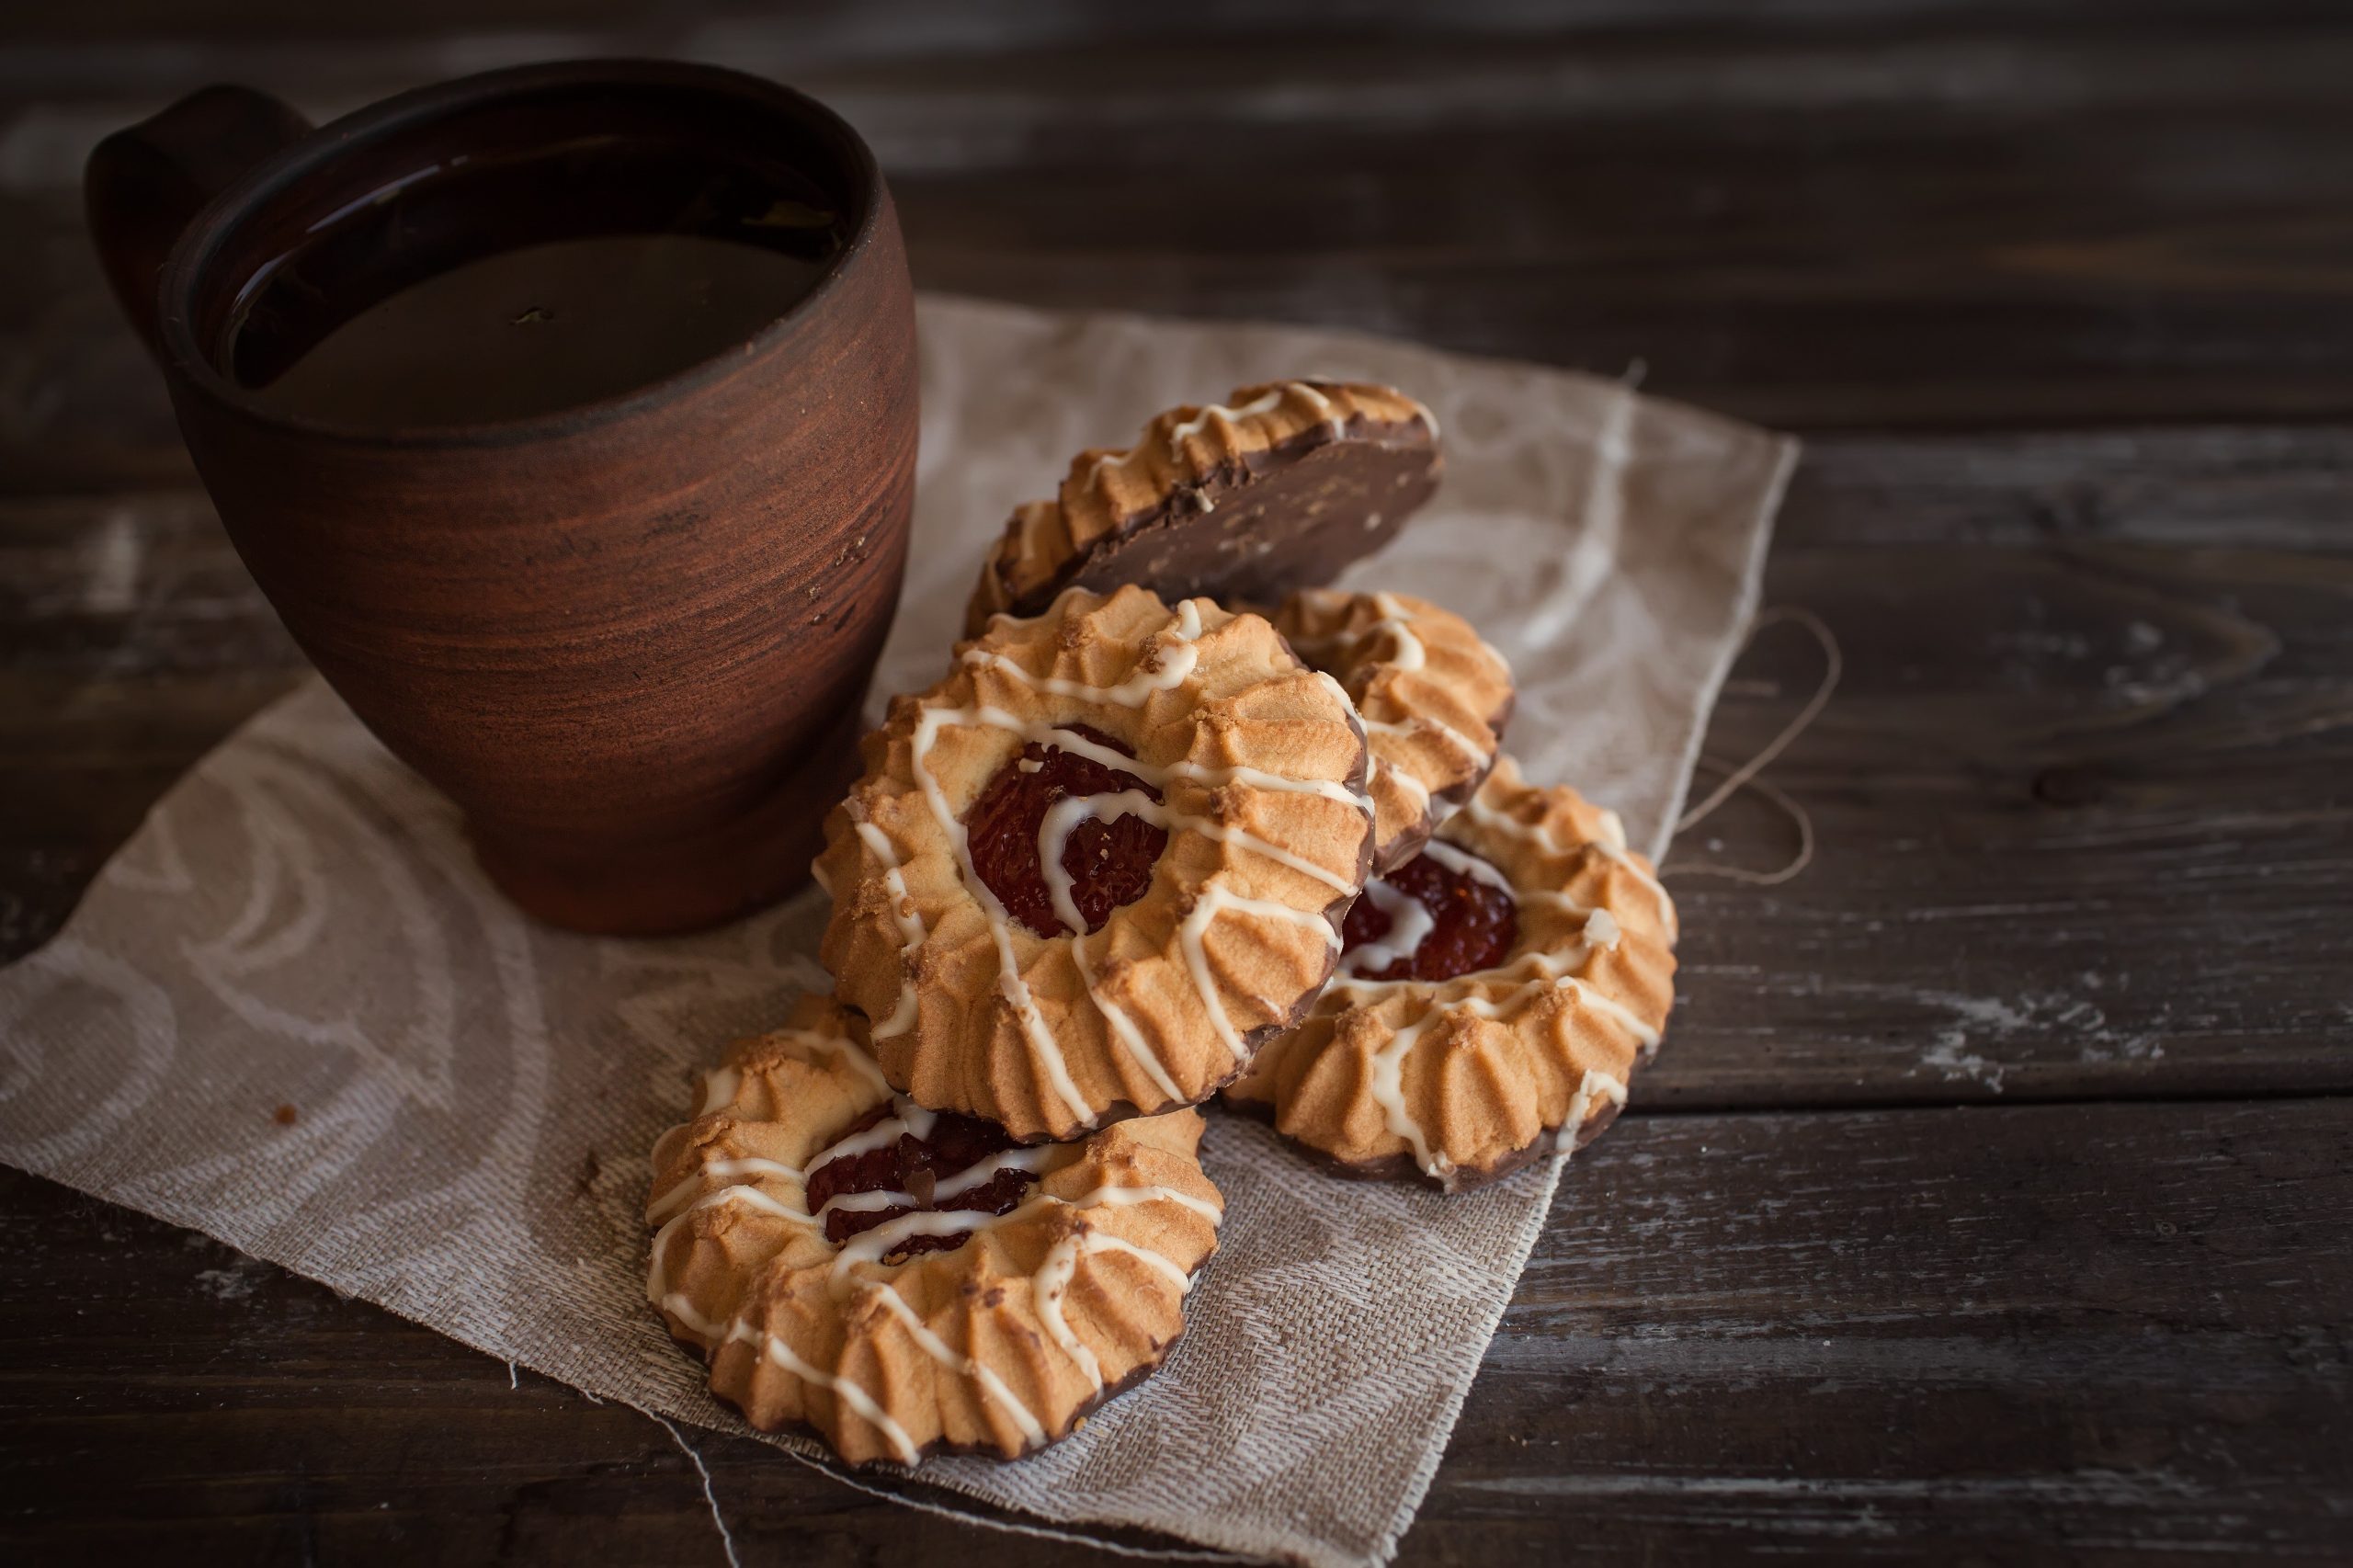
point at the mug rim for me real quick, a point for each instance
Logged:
(212, 227)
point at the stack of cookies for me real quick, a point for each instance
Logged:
(1176, 825)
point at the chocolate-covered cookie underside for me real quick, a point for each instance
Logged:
(1176, 660)
(1283, 520)
(921, 1227)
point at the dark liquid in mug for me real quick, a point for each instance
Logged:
(500, 287)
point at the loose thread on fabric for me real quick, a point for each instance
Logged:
(726, 1536)
(1746, 776)
(1016, 1526)
(946, 1511)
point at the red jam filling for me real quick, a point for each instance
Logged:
(1110, 863)
(1475, 926)
(916, 1167)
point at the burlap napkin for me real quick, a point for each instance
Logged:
(291, 1015)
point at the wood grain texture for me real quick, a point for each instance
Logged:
(2110, 1333)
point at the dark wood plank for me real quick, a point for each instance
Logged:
(2085, 829)
(2081, 803)
(2096, 1333)
(2090, 1334)
(1833, 228)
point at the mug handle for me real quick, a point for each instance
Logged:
(145, 182)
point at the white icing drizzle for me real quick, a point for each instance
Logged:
(1010, 984)
(1595, 1084)
(1625, 1017)
(1265, 403)
(1212, 900)
(865, 1203)
(1407, 653)
(1426, 723)
(906, 1118)
(856, 1398)
(718, 1089)
(865, 1066)
(1129, 1197)
(680, 1305)
(1612, 844)
(1051, 1285)
(1550, 967)
(1462, 863)
(1103, 1241)
(1062, 819)
(1557, 897)
(1331, 414)
(1245, 839)
(873, 1247)
(1410, 923)
(911, 929)
(721, 1170)
(1202, 773)
(657, 1280)
(939, 1351)
(1386, 1081)
(1123, 1027)
(1177, 658)
(1374, 768)
(1047, 1289)
(988, 1170)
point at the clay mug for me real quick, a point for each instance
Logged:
(629, 639)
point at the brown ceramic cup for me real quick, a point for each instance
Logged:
(629, 639)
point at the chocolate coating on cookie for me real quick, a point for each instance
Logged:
(1244, 502)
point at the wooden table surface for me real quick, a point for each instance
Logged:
(1994, 1197)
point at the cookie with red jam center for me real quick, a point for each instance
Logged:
(1495, 994)
(1090, 872)
(905, 1282)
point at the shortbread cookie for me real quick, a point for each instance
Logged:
(905, 1282)
(1434, 698)
(1242, 503)
(1496, 994)
(1087, 874)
